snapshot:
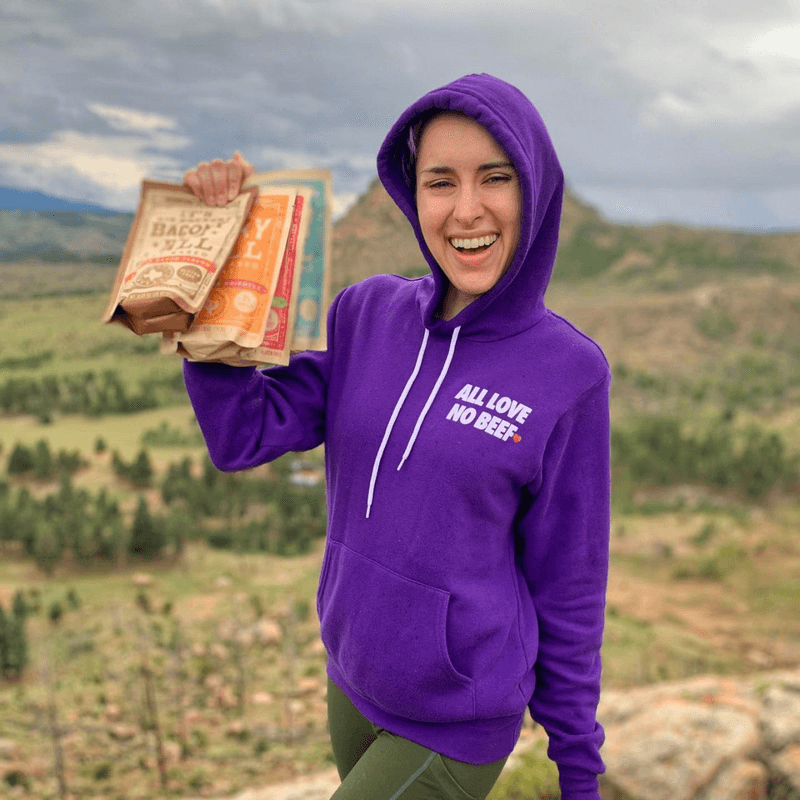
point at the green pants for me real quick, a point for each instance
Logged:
(377, 765)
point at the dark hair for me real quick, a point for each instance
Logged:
(415, 131)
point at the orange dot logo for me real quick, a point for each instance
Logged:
(517, 437)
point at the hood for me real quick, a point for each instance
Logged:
(516, 302)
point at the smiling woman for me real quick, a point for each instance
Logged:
(466, 432)
(469, 206)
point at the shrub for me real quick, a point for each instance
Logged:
(716, 324)
(13, 640)
(20, 461)
(147, 537)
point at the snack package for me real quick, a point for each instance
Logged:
(314, 293)
(175, 251)
(276, 346)
(237, 310)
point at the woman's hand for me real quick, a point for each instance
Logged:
(217, 183)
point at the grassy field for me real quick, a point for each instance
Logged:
(702, 581)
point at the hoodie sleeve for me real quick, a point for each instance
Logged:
(565, 554)
(249, 417)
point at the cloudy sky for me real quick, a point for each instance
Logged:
(679, 110)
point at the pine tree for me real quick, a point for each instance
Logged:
(47, 547)
(20, 461)
(13, 642)
(42, 460)
(147, 534)
(20, 607)
(140, 473)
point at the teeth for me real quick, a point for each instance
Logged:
(471, 244)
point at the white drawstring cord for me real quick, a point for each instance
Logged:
(431, 397)
(390, 425)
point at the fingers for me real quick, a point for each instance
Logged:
(238, 173)
(218, 182)
(247, 168)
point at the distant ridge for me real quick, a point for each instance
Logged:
(29, 200)
(63, 236)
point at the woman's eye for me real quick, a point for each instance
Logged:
(439, 185)
(499, 179)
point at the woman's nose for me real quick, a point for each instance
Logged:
(468, 206)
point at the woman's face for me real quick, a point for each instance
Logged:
(469, 206)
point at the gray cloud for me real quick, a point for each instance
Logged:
(659, 110)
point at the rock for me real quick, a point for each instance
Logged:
(261, 698)
(268, 631)
(308, 686)
(198, 650)
(223, 582)
(780, 722)
(142, 579)
(213, 681)
(245, 638)
(236, 729)
(227, 697)
(316, 648)
(671, 750)
(787, 764)
(172, 752)
(122, 732)
(218, 650)
(8, 749)
(112, 712)
(743, 780)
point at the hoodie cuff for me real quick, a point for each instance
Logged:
(578, 784)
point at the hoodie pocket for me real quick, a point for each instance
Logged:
(388, 635)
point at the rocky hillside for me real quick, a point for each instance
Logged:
(375, 237)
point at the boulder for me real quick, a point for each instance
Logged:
(742, 780)
(787, 765)
(708, 738)
(780, 721)
(8, 749)
(671, 750)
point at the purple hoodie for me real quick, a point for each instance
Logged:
(468, 487)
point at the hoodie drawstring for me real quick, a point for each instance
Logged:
(432, 396)
(399, 405)
(390, 425)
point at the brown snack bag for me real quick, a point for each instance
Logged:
(175, 251)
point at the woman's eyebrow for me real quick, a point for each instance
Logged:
(441, 170)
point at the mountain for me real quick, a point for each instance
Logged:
(374, 236)
(29, 200)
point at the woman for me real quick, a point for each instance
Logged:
(466, 432)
